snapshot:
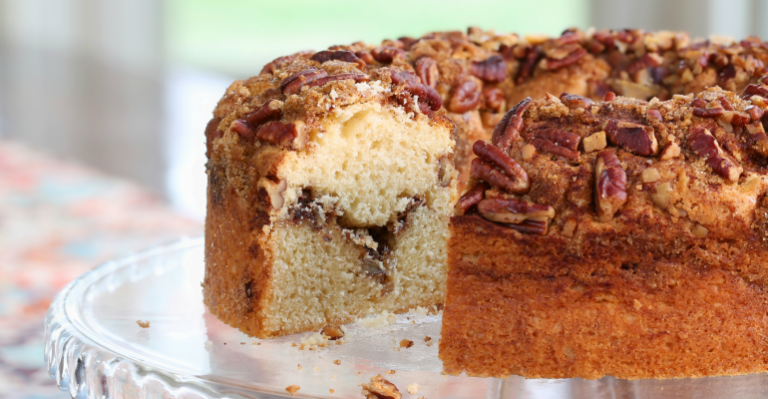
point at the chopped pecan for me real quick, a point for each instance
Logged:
(755, 112)
(648, 60)
(655, 114)
(650, 175)
(465, 97)
(341, 55)
(510, 126)
(528, 152)
(494, 99)
(707, 112)
(408, 42)
(573, 57)
(332, 331)
(426, 69)
(471, 198)
(611, 185)
(594, 142)
(725, 103)
(660, 195)
(486, 172)
(760, 90)
(492, 69)
(574, 101)
(609, 96)
(293, 83)
(379, 388)
(736, 118)
(637, 139)
(510, 211)
(365, 56)
(211, 133)
(357, 77)
(699, 103)
(271, 192)
(271, 110)
(444, 171)
(704, 145)
(558, 142)
(672, 150)
(282, 134)
(758, 137)
(242, 128)
(386, 54)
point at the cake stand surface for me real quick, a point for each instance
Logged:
(95, 349)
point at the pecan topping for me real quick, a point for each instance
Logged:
(707, 112)
(531, 217)
(609, 96)
(379, 388)
(386, 54)
(282, 134)
(341, 55)
(526, 69)
(429, 99)
(211, 133)
(510, 126)
(637, 139)
(655, 114)
(492, 69)
(736, 118)
(241, 127)
(513, 179)
(293, 83)
(471, 198)
(271, 192)
(357, 77)
(426, 69)
(760, 90)
(527, 152)
(594, 142)
(572, 57)
(271, 110)
(494, 99)
(699, 103)
(755, 112)
(558, 142)
(611, 180)
(365, 56)
(466, 96)
(725, 103)
(672, 150)
(704, 145)
(758, 137)
(574, 101)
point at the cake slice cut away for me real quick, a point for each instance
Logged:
(330, 191)
(623, 238)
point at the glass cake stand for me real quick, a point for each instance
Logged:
(95, 348)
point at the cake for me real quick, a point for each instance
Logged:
(332, 174)
(623, 238)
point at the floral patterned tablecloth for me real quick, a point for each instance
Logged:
(57, 220)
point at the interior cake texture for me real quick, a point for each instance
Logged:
(363, 226)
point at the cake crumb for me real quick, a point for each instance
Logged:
(406, 343)
(333, 377)
(299, 367)
(337, 362)
(388, 372)
(380, 388)
(379, 321)
(143, 323)
(292, 388)
(412, 388)
(317, 368)
(333, 94)
(427, 338)
(313, 341)
(332, 332)
(293, 344)
(331, 390)
(638, 305)
(257, 343)
(208, 343)
(242, 343)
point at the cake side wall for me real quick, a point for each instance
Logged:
(657, 319)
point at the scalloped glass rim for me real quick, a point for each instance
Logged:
(89, 361)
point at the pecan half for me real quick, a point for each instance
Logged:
(341, 55)
(516, 212)
(760, 90)
(508, 129)
(379, 388)
(357, 77)
(271, 192)
(282, 134)
(526, 68)
(557, 142)
(386, 54)
(494, 99)
(511, 176)
(427, 95)
(611, 185)
(465, 97)
(211, 133)
(270, 110)
(365, 56)
(492, 69)
(293, 83)
(571, 58)
(704, 145)
(574, 101)
(637, 139)
(426, 69)
(471, 198)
